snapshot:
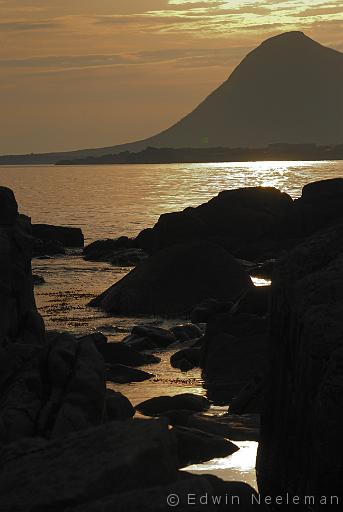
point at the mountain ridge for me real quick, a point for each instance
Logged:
(288, 89)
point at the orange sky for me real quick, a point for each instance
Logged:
(86, 73)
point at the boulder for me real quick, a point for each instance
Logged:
(255, 301)
(119, 252)
(118, 407)
(102, 250)
(244, 427)
(160, 337)
(66, 236)
(121, 374)
(186, 358)
(300, 451)
(174, 280)
(87, 466)
(236, 217)
(320, 205)
(83, 404)
(158, 405)
(186, 332)
(43, 248)
(195, 446)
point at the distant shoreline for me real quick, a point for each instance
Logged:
(152, 155)
(275, 152)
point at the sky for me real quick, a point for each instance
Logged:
(91, 73)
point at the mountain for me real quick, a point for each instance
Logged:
(287, 90)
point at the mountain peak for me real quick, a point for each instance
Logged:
(293, 39)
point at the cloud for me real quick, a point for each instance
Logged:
(201, 57)
(28, 25)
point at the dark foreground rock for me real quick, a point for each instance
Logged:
(238, 218)
(186, 359)
(66, 236)
(173, 281)
(119, 252)
(87, 466)
(243, 427)
(160, 404)
(300, 451)
(234, 353)
(196, 446)
(118, 407)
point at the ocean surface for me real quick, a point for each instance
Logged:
(110, 201)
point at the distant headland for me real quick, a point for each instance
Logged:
(150, 155)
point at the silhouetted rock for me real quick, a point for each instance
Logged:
(320, 205)
(243, 427)
(47, 248)
(186, 332)
(66, 236)
(160, 404)
(250, 398)
(83, 404)
(255, 301)
(300, 451)
(195, 446)
(186, 358)
(87, 466)
(160, 337)
(234, 352)
(122, 374)
(240, 219)
(174, 280)
(118, 252)
(118, 407)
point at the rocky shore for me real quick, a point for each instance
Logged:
(67, 443)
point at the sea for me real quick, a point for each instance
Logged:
(108, 201)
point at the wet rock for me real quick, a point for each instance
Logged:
(244, 427)
(158, 405)
(195, 446)
(118, 407)
(121, 374)
(160, 337)
(186, 332)
(87, 466)
(300, 450)
(186, 359)
(66, 236)
(174, 280)
(102, 250)
(120, 353)
(139, 343)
